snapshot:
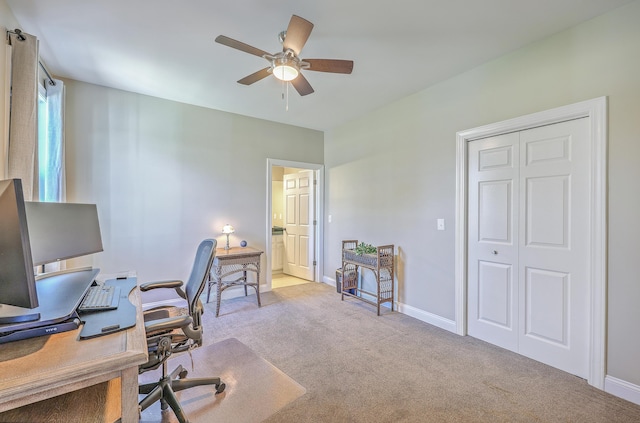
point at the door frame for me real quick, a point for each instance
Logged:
(596, 111)
(319, 213)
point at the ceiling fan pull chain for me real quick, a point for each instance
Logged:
(287, 84)
(285, 87)
(283, 99)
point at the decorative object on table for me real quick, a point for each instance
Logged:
(243, 243)
(363, 248)
(227, 230)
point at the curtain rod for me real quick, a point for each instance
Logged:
(18, 33)
(46, 72)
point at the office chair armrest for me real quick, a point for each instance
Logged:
(168, 323)
(160, 284)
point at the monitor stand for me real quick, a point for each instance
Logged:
(58, 294)
(11, 314)
(70, 324)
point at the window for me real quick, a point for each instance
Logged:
(50, 142)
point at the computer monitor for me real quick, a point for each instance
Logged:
(17, 281)
(60, 231)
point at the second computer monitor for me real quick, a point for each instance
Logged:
(59, 231)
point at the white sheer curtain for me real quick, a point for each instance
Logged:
(52, 184)
(23, 127)
(51, 145)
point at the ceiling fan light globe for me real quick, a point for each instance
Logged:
(285, 72)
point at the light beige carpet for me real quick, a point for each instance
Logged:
(358, 367)
(255, 388)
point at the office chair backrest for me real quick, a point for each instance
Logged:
(201, 267)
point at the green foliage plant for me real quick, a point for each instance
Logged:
(363, 248)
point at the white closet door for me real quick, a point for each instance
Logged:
(529, 243)
(493, 240)
(554, 245)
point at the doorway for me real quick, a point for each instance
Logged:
(595, 269)
(294, 222)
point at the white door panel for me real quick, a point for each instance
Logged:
(547, 295)
(299, 224)
(303, 252)
(554, 256)
(547, 211)
(528, 243)
(290, 249)
(492, 267)
(494, 294)
(495, 211)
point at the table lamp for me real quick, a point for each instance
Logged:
(227, 230)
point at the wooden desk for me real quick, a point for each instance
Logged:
(234, 260)
(39, 368)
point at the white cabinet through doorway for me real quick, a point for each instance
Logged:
(277, 253)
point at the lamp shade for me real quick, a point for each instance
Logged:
(285, 72)
(227, 229)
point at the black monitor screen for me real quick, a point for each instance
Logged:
(17, 282)
(59, 231)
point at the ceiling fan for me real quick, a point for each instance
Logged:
(287, 65)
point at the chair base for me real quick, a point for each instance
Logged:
(164, 390)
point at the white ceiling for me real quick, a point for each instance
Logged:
(166, 48)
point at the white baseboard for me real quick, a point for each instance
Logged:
(425, 316)
(622, 389)
(329, 281)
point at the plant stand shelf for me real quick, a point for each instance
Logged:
(381, 264)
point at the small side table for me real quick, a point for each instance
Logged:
(229, 262)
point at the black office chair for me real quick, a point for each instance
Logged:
(169, 330)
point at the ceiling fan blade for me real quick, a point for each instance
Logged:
(297, 34)
(330, 65)
(230, 42)
(256, 76)
(301, 85)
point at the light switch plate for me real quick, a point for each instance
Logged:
(441, 224)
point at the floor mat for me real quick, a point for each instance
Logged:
(255, 389)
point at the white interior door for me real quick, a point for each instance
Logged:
(299, 230)
(529, 243)
(493, 240)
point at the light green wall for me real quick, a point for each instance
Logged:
(165, 175)
(391, 173)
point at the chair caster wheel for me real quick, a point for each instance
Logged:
(183, 374)
(220, 388)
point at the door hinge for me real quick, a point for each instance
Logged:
(315, 263)
(315, 222)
